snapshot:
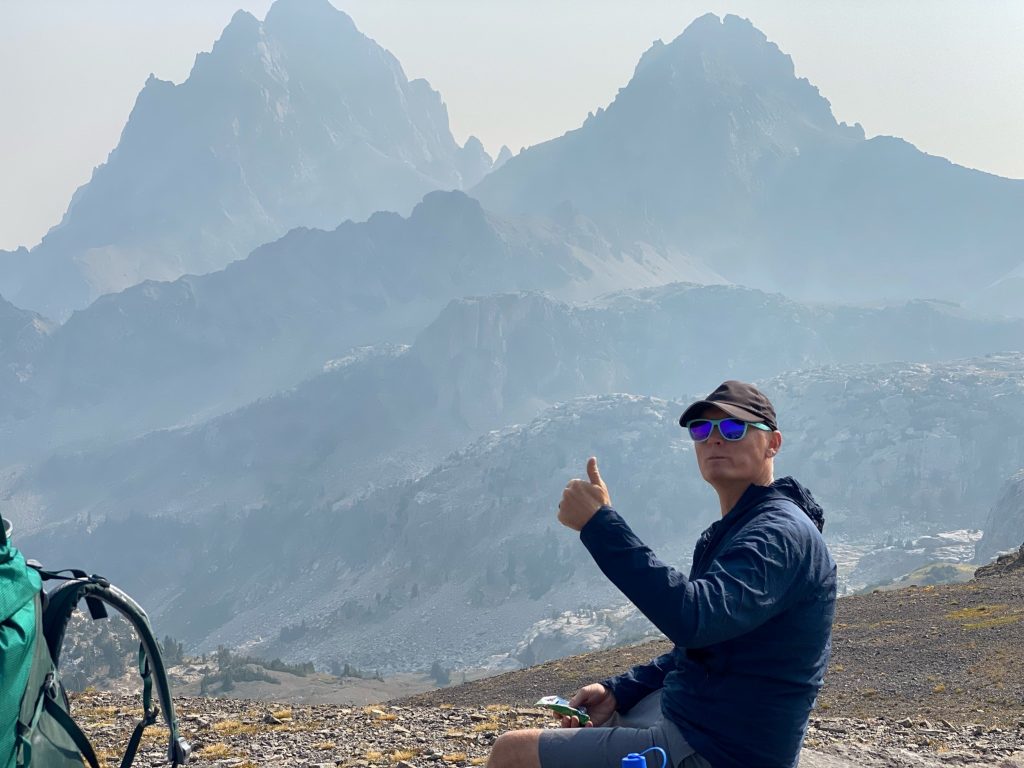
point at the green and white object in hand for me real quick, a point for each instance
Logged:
(562, 707)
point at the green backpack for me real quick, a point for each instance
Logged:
(36, 727)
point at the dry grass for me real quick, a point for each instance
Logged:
(403, 754)
(976, 612)
(94, 713)
(454, 757)
(235, 728)
(215, 751)
(282, 714)
(986, 616)
(488, 725)
(324, 745)
(1000, 621)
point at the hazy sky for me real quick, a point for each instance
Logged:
(946, 75)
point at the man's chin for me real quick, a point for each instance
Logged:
(722, 474)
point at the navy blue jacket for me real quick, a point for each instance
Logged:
(752, 624)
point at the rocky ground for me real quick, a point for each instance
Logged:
(240, 734)
(920, 677)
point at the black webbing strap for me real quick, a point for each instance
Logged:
(136, 739)
(63, 719)
(150, 713)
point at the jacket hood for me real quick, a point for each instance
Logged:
(803, 498)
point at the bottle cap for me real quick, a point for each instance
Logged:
(633, 760)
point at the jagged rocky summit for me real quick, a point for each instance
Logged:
(717, 147)
(298, 120)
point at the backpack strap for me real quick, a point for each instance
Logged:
(62, 602)
(96, 609)
(63, 719)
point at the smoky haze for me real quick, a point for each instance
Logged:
(311, 329)
(944, 75)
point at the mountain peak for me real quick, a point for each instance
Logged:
(238, 38)
(297, 120)
(309, 16)
(733, 56)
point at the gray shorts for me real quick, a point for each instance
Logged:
(604, 747)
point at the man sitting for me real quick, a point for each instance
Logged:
(751, 624)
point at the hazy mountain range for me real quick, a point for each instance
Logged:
(391, 412)
(887, 448)
(716, 147)
(162, 354)
(296, 120)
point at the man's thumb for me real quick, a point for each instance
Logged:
(592, 473)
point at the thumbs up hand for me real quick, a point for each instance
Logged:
(582, 498)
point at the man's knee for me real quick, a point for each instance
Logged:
(516, 749)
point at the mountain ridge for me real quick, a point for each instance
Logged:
(177, 352)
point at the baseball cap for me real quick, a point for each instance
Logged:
(737, 398)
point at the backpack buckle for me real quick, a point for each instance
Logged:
(50, 687)
(180, 751)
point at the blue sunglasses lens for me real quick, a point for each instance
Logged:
(732, 429)
(700, 430)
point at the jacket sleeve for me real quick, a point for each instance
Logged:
(752, 579)
(631, 686)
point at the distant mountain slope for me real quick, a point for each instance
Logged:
(163, 354)
(481, 364)
(23, 335)
(296, 120)
(716, 147)
(460, 562)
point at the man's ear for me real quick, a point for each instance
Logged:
(774, 443)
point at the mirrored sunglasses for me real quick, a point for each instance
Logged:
(730, 429)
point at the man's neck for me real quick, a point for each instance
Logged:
(729, 495)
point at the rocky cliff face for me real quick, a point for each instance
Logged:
(1004, 528)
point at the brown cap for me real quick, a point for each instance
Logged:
(739, 399)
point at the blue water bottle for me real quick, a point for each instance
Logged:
(637, 759)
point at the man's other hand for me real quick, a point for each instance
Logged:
(597, 700)
(582, 498)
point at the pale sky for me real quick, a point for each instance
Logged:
(946, 75)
